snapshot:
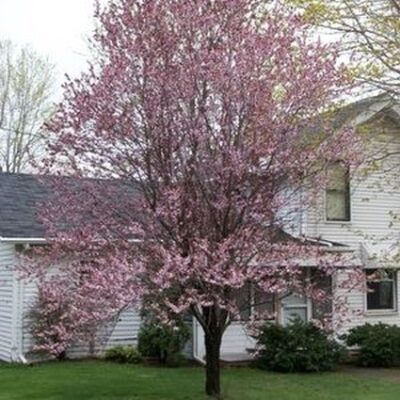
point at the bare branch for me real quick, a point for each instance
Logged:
(26, 82)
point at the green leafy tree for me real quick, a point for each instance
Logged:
(26, 86)
(370, 31)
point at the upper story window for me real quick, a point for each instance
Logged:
(381, 284)
(338, 193)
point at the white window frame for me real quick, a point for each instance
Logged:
(252, 308)
(338, 221)
(307, 305)
(383, 311)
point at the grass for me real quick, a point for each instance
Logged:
(103, 381)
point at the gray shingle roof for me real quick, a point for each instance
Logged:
(20, 195)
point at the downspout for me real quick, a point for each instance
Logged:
(22, 359)
(14, 316)
(20, 325)
(17, 354)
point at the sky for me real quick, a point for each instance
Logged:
(54, 28)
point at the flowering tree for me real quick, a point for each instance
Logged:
(197, 129)
(72, 305)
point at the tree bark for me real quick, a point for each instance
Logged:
(213, 345)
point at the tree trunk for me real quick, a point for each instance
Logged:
(213, 345)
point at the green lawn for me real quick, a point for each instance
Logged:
(97, 380)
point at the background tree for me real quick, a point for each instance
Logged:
(370, 33)
(26, 81)
(196, 117)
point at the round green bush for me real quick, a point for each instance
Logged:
(298, 347)
(163, 342)
(378, 345)
(123, 354)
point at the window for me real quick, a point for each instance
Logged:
(338, 193)
(263, 304)
(243, 299)
(322, 308)
(294, 306)
(381, 294)
(253, 303)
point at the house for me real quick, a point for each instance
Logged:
(19, 228)
(355, 214)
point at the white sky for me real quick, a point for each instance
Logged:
(57, 29)
(54, 28)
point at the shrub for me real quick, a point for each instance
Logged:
(379, 345)
(298, 347)
(51, 328)
(123, 354)
(163, 342)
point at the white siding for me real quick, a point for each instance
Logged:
(123, 332)
(236, 340)
(375, 196)
(291, 215)
(27, 293)
(357, 313)
(372, 232)
(7, 288)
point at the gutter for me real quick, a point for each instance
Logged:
(41, 240)
(16, 324)
(23, 240)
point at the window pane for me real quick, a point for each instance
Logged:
(336, 206)
(292, 313)
(322, 308)
(294, 299)
(263, 303)
(337, 177)
(244, 302)
(338, 194)
(381, 291)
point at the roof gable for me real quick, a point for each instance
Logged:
(366, 110)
